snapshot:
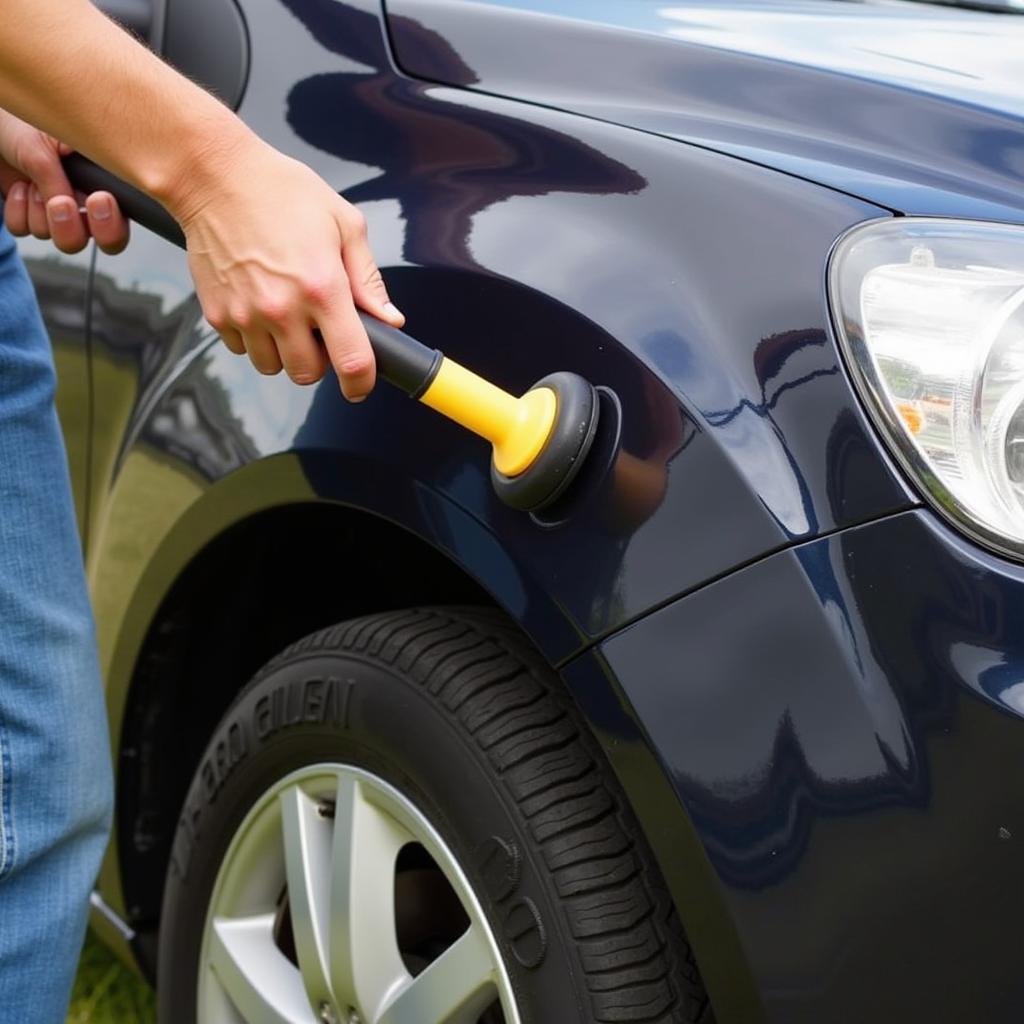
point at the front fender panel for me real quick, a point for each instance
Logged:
(523, 241)
(842, 723)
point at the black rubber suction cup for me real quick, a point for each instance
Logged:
(591, 485)
(562, 456)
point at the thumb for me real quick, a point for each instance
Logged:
(365, 279)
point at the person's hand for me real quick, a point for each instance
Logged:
(39, 199)
(276, 254)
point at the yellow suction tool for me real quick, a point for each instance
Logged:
(539, 440)
(518, 428)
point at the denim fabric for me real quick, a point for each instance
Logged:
(55, 779)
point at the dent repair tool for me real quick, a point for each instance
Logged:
(539, 441)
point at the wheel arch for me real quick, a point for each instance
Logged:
(231, 558)
(261, 549)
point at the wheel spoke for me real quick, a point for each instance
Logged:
(258, 978)
(307, 854)
(366, 965)
(455, 989)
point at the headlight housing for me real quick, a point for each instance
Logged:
(930, 314)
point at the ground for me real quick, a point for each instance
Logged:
(106, 992)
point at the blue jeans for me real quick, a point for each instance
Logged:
(55, 778)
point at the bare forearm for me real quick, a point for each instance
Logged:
(68, 69)
(265, 277)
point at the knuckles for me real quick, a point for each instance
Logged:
(355, 366)
(217, 319)
(354, 223)
(278, 308)
(374, 280)
(242, 318)
(272, 308)
(317, 290)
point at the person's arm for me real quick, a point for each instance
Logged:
(274, 251)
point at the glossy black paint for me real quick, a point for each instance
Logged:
(819, 739)
(842, 722)
(721, 354)
(915, 107)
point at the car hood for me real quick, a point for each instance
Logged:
(917, 107)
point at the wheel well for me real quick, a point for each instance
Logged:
(258, 587)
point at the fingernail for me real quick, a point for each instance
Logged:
(59, 212)
(392, 310)
(36, 195)
(101, 208)
(17, 193)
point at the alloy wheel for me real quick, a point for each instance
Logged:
(339, 903)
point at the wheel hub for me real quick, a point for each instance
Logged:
(338, 902)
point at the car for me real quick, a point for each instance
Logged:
(733, 729)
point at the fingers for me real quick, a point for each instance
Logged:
(65, 224)
(16, 209)
(107, 224)
(233, 340)
(262, 351)
(301, 355)
(364, 277)
(348, 347)
(26, 212)
(45, 205)
(38, 225)
(293, 348)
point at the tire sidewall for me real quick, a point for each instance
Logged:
(342, 708)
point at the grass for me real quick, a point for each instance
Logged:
(107, 992)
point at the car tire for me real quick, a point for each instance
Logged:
(452, 713)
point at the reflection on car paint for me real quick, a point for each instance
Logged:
(857, 768)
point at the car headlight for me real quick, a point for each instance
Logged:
(930, 314)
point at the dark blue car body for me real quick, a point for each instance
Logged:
(806, 682)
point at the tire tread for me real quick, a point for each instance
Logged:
(633, 953)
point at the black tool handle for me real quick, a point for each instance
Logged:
(401, 359)
(87, 177)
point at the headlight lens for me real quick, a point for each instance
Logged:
(931, 316)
